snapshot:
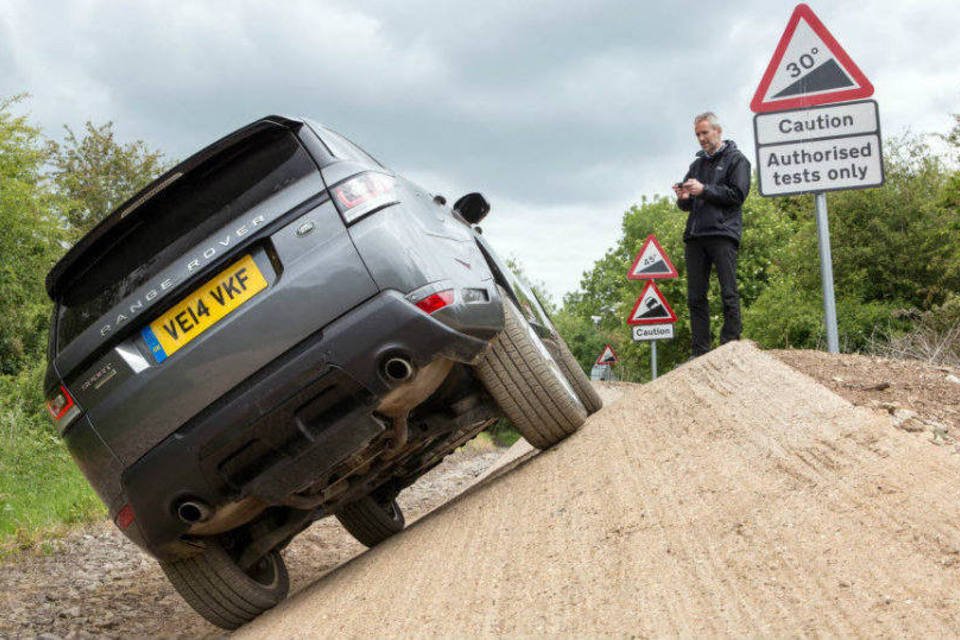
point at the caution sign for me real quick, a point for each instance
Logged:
(651, 262)
(808, 67)
(607, 356)
(652, 332)
(651, 308)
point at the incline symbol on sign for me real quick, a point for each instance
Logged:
(809, 67)
(651, 308)
(607, 356)
(651, 262)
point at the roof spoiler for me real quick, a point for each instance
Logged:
(90, 239)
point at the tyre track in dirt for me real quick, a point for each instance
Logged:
(733, 496)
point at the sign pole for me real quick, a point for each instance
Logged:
(826, 273)
(653, 359)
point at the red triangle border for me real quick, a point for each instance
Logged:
(615, 358)
(865, 90)
(673, 270)
(636, 305)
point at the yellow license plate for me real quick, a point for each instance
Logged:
(203, 308)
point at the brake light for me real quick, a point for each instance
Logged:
(436, 301)
(363, 194)
(125, 517)
(62, 409)
(60, 403)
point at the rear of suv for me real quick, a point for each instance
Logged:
(279, 329)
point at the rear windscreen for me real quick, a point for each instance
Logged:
(167, 225)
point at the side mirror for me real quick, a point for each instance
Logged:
(472, 207)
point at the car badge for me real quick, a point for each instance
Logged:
(304, 229)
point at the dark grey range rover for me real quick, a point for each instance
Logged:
(280, 329)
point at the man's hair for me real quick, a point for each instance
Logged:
(710, 117)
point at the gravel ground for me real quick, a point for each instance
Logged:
(94, 583)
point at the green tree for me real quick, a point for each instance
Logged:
(97, 174)
(896, 252)
(30, 242)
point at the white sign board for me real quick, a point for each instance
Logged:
(819, 149)
(848, 119)
(653, 332)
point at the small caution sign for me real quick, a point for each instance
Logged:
(809, 67)
(651, 308)
(651, 262)
(607, 356)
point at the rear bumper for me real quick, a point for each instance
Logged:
(289, 423)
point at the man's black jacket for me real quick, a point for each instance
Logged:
(726, 182)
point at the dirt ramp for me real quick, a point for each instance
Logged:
(731, 497)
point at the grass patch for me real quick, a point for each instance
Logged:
(481, 443)
(503, 433)
(41, 489)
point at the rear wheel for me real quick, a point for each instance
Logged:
(575, 375)
(372, 521)
(528, 383)
(223, 593)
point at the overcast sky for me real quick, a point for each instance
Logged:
(562, 113)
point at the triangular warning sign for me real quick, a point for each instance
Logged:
(651, 308)
(607, 356)
(809, 67)
(651, 262)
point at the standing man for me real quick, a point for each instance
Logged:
(713, 192)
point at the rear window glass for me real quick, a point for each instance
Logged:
(164, 227)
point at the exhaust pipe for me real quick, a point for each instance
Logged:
(398, 369)
(193, 511)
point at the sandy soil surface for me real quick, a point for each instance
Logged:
(733, 496)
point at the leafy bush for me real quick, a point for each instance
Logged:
(40, 486)
(934, 336)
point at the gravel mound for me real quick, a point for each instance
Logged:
(732, 497)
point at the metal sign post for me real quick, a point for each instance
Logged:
(653, 359)
(826, 273)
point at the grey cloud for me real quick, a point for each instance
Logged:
(565, 110)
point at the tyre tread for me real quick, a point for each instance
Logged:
(581, 383)
(368, 522)
(521, 380)
(216, 588)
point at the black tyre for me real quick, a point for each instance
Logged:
(528, 383)
(575, 375)
(371, 521)
(220, 591)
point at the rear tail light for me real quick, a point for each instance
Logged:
(363, 194)
(125, 517)
(436, 301)
(63, 410)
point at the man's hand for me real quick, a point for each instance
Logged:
(680, 192)
(693, 186)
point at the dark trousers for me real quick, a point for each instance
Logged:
(701, 254)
